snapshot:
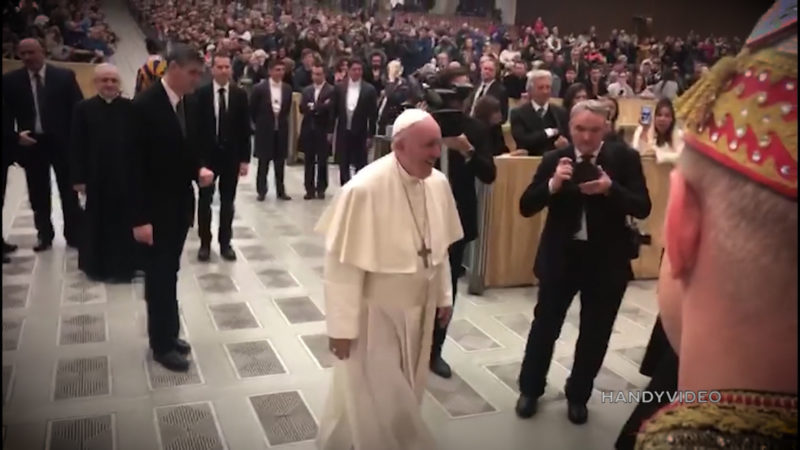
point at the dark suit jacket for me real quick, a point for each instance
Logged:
(365, 116)
(9, 139)
(496, 90)
(528, 129)
(164, 162)
(605, 214)
(235, 147)
(316, 122)
(462, 175)
(62, 93)
(264, 119)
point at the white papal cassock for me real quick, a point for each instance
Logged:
(379, 293)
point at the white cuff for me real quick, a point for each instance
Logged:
(550, 185)
(551, 132)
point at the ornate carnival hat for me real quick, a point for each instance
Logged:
(743, 112)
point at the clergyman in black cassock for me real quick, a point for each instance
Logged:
(101, 131)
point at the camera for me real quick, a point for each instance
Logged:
(445, 102)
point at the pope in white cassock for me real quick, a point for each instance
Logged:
(387, 278)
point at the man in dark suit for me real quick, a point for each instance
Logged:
(166, 157)
(469, 157)
(225, 117)
(41, 98)
(589, 189)
(355, 114)
(315, 105)
(490, 86)
(539, 126)
(270, 105)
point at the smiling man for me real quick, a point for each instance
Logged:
(387, 279)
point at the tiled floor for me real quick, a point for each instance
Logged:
(76, 371)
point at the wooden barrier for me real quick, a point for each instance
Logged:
(513, 240)
(84, 73)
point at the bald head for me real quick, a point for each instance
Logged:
(107, 81)
(31, 53)
(417, 142)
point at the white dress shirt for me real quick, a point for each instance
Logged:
(353, 93)
(317, 90)
(37, 125)
(276, 94)
(226, 94)
(174, 98)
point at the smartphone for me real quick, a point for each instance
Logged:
(647, 115)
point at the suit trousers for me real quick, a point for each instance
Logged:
(600, 295)
(161, 287)
(228, 181)
(37, 162)
(351, 152)
(3, 193)
(316, 156)
(263, 171)
(456, 256)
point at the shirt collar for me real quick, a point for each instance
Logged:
(486, 84)
(318, 86)
(579, 155)
(174, 98)
(272, 83)
(218, 86)
(353, 84)
(108, 100)
(537, 107)
(41, 73)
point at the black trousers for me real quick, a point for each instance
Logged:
(263, 171)
(228, 181)
(456, 256)
(351, 151)
(3, 182)
(160, 287)
(600, 295)
(316, 157)
(37, 162)
(665, 379)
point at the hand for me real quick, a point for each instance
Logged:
(340, 347)
(459, 143)
(243, 168)
(330, 138)
(143, 234)
(599, 186)
(561, 142)
(563, 173)
(444, 314)
(25, 139)
(519, 152)
(311, 106)
(205, 177)
(79, 188)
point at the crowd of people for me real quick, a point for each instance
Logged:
(209, 86)
(70, 30)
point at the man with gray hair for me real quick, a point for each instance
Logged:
(589, 188)
(539, 126)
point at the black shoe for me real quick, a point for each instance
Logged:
(43, 246)
(261, 197)
(204, 254)
(182, 347)
(227, 252)
(577, 413)
(441, 368)
(309, 196)
(321, 195)
(9, 248)
(526, 407)
(6, 259)
(172, 360)
(284, 197)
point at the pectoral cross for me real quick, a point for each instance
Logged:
(423, 253)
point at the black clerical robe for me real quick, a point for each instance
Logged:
(99, 158)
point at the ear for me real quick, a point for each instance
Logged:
(682, 226)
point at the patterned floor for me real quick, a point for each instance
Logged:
(77, 375)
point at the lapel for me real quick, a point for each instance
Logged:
(168, 111)
(536, 121)
(268, 96)
(27, 90)
(360, 97)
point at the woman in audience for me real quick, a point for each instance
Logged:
(574, 94)
(668, 87)
(613, 134)
(396, 93)
(487, 112)
(660, 137)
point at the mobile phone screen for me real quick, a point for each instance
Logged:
(647, 114)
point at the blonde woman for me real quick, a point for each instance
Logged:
(661, 137)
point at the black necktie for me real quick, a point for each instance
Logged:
(40, 97)
(181, 113)
(223, 109)
(542, 112)
(480, 93)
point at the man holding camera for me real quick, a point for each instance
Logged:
(589, 188)
(469, 156)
